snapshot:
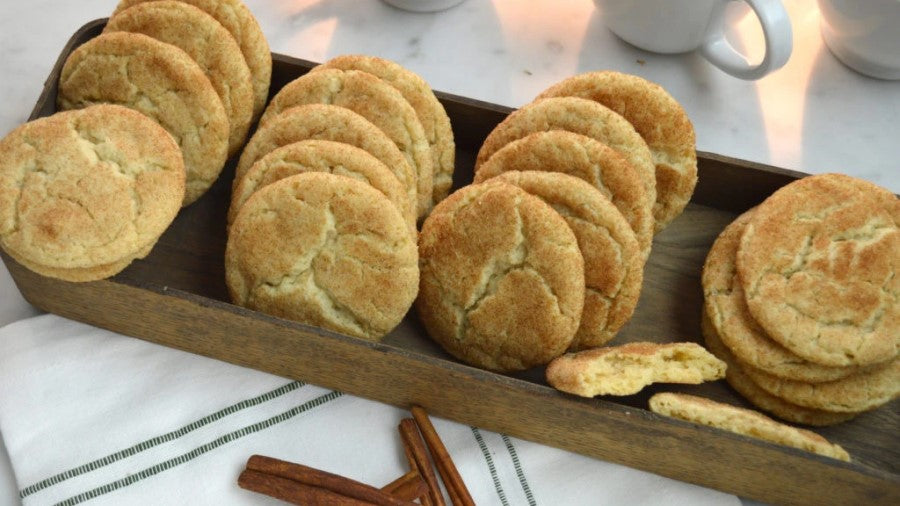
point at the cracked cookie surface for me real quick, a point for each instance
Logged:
(322, 156)
(502, 283)
(83, 193)
(242, 25)
(429, 110)
(160, 81)
(659, 119)
(728, 313)
(580, 116)
(325, 250)
(613, 266)
(741, 382)
(818, 263)
(330, 123)
(374, 100)
(587, 159)
(209, 44)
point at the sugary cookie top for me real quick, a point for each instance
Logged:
(86, 188)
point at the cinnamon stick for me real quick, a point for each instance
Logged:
(292, 491)
(413, 441)
(425, 500)
(320, 479)
(408, 487)
(459, 494)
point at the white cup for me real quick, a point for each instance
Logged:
(865, 36)
(679, 26)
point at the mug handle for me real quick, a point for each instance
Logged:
(776, 27)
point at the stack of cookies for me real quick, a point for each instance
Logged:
(84, 193)
(327, 193)
(545, 252)
(201, 68)
(802, 300)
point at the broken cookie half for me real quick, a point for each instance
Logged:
(626, 369)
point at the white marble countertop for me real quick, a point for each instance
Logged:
(814, 115)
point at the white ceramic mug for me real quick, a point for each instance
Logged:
(865, 36)
(679, 26)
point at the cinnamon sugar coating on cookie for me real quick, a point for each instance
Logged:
(160, 81)
(374, 100)
(818, 262)
(659, 119)
(83, 193)
(429, 110)
(325, 250)
(580, 116)
(502, 284)
(330, 123)
(613, 265)
(587, 159)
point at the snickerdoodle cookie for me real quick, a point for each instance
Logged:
(580, 116)
(613, 265)
(322, 156)
(83, 193)
(866, 390)
(742, 421)
(587, 159)
(208, 43)
(738, 379)
(659, 119)
(818, 262)
(315, 247)
(240, 23)
(374, 100)
(627, 369)
(429, 110)
(164, 83)
(728, 313)
(330, 123)
(502, 284)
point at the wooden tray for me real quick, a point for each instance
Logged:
(177, 297)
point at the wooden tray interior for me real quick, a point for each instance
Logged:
(189, 258)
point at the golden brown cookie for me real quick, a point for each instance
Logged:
(209, 44)
(738, 379)
(866, 390)
(728, 312)
(373, 99)
(584, 158)
(322, 156)
(502, 284)
(83, 193)
(580, 116)
(325, 250)
(160, 81)
(627, 369)
(429, 110)
(818, 262)
(742, 421)
(239, 21)
(613, 265)
(659, 119)
(330, 123)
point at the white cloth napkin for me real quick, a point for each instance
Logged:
(88, 414)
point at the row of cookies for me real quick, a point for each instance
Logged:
(201, 68)
(545, 251)
(803, 302)
(373, 92)
(327, 192)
